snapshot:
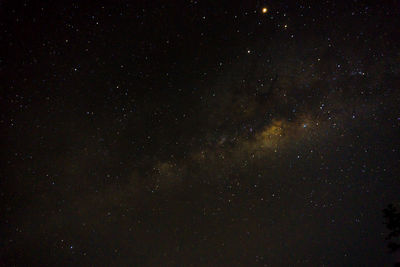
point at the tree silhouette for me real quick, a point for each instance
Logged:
(392, 217)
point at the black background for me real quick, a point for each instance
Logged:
(198, 133)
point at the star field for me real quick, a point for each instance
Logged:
(198, 133)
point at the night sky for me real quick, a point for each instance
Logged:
(198, 133)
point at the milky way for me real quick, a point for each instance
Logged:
(198, 134)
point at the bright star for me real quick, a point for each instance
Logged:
(264, 10)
